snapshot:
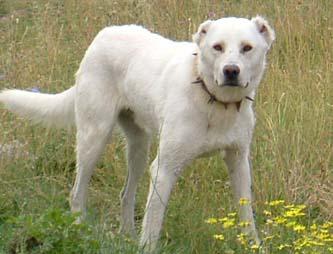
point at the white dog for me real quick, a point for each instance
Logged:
(196, 96)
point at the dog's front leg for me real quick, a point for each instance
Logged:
(164, 174)
(238, 164)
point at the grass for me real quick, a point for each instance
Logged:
(41, 45)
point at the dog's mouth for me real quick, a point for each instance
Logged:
(232, 84)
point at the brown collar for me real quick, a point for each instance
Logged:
(212, 97)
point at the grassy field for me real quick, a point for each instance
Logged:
(41, 45)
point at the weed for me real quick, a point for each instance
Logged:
(54, 231)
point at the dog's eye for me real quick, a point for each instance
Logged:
(247, 48)
(218, 47)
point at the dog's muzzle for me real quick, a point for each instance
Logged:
(231, 74)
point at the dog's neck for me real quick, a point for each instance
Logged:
(212, 98)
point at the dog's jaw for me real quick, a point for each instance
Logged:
(219, 90)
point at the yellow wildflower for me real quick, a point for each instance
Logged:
(254, 247)
(242, 238)
(315, 243)
(267, 213)
(293, 213)
(322, 235)
(299, 228)
(244, 224)
(224, 219)
(314, 227)
(267, 238)
(289, 206)
(244, 201)
(276, 202)
(232, 214)
(300, 243)
(229, 223)
(283, 246)
(219, 237)
(211, 221)
(280, 220)
(313, 238)
(327, 225)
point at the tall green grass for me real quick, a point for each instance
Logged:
(41, 45)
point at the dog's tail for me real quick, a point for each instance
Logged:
(48, 109)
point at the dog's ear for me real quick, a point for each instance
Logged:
(202, 31)
(264, 29)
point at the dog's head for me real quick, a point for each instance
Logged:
(232, 54)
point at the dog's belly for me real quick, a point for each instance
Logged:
(146, 104)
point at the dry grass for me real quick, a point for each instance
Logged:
(42, 43)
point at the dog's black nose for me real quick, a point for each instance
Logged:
(231, 72)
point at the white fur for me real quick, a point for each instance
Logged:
(48, 109)
(143, 82)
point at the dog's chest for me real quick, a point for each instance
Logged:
(230, 128)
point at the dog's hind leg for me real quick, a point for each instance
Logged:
(137, 153)
(97, 106)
